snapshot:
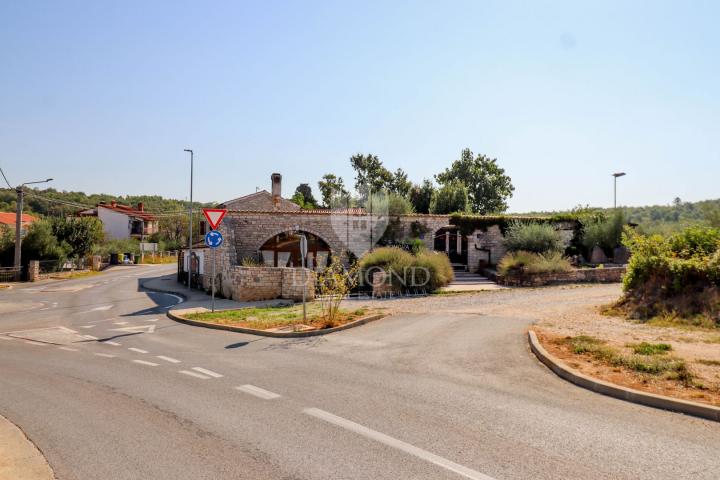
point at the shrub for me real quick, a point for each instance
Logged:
(127, 245)
(430, 269)
(680, 274)
(532, 237)
(528, 262)
(41, 244)
(605, 233)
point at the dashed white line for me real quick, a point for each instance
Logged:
(68, 349)
(258, 392)
(207, 372)
(193, 374)
(90, 337)
(120, 323)
(106, 355)
(395, 443)
(137, 350)
(5, 338)
(88, 326)
(149, 364)
(151, 320)
(114, 344)
(168, 359)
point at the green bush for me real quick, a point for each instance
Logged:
(41, 244)
(532, 237)
(680, 273)
(606, 233)
(127, 245)
(529, 262)
(431, 270)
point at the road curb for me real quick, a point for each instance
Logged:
(643, 398)
(21, 458)
(157, 290)
(265, 333)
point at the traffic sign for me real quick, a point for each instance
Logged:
(214, 216)
(213, 239)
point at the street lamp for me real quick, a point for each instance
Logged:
(616, 175)
(190, 211)
(18, 219)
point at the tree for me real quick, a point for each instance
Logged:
(450, 198)
(399, 184)
(331, 188)
(370, 173)
(41, 244)
(488, 186)
(711, 214)
(308, 200)
(81, 235)
(420, 196)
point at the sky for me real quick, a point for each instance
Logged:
(104, 96)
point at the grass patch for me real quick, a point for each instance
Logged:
(711, 363)
(84, 274)
(158, 260)
(646, 348)
(650, 363)
(263, 318)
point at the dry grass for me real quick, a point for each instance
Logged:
(263, 318)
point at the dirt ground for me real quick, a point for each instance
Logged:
(572, 310)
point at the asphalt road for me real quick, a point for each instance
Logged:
(125, 393)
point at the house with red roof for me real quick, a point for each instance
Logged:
(8, 219)
(123, 221)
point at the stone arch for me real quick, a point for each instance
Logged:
(281, 249)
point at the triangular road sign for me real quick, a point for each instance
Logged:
(214, 216)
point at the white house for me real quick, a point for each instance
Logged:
(122, 221)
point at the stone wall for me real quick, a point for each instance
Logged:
(579, 275)
(267, 283)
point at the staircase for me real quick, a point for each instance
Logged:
(466, 281)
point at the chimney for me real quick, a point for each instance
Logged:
(141, 207)
(276, 182)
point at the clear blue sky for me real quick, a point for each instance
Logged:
(104, 96)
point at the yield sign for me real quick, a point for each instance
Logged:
(214, 216)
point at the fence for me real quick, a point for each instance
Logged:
(10, 274)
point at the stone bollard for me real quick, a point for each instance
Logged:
(95, 263)
(33, 270)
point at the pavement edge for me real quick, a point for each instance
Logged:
(628, 394)
(264, 333)
(21, 458)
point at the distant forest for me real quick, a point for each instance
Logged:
(51, 202)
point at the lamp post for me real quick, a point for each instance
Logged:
(190, 214)
(18, 220)
(616, 175)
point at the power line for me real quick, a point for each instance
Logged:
(6, 180)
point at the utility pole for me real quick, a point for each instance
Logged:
(190, 211)
(20, 190)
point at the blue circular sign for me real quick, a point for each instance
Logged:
(213, 239)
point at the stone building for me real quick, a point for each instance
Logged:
(263, 228)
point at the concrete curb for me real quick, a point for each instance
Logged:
(649, 399)
(265, 333)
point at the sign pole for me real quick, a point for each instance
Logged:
(213, 280)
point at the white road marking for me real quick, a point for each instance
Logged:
(168, 359)
(151, 320)
(149, 364)
(138, 350)
(194, 374)
(395, 443)
(106, 355)
(258, 392)
(98, 309)
(177, 297)
(88, 326)
(90, 337)
(68, 349)
(30, 342)
(148, 328)
(114, 344)
(207, 372)
(120, 323)
(5, 338)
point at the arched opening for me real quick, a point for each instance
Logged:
(283, 250)
(453, 243)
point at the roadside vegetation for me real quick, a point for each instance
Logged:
(263, 318)
(423, 269)
(533, 248)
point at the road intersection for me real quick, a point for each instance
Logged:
(108, 387)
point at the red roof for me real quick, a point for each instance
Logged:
(133, 212)
(8, 218)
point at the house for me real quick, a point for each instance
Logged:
(122, 221)
(8, 219)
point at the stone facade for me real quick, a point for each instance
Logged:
(266, 283)
(579, 275)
